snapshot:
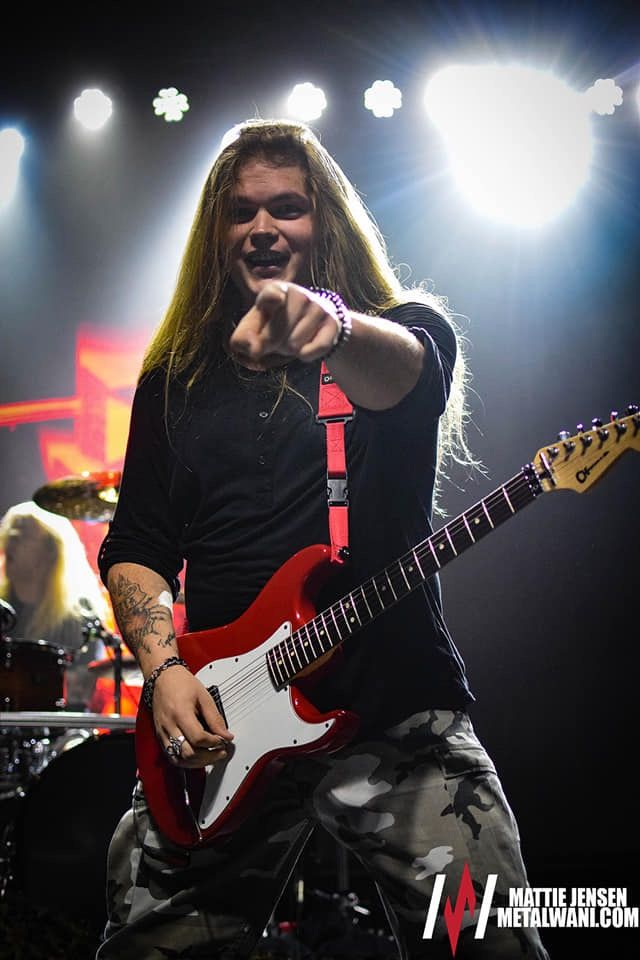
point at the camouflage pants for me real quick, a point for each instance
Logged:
(423, 799)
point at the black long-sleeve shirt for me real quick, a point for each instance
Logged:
(235, 483)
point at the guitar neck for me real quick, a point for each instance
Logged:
(361, 606)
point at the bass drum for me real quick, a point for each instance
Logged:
(66, 820)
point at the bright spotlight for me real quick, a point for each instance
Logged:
(603, 97)
(92, 108)
(519, 139)
(382, 98)
(171, 104)
(11, 149)
(306, 102)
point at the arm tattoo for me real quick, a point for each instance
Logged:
(141, 617)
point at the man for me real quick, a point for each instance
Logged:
(47, 580)
(226, 467)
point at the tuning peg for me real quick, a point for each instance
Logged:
(580, 427)
(632, 408)
(564, 435)
(596, 422)
(614, 415)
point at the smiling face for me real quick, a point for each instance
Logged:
(272, 228)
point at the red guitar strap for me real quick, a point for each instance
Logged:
(334, 410)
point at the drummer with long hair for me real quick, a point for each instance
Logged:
(46, 578)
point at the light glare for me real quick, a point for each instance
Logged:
(92, 108)
(518, 139)
(306, 102)
(11, 149)
(603, 97)
(382, 98)
(171, 104)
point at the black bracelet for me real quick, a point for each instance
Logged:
(150, 682)
(344, 318)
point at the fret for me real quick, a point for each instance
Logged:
(285, 645)
(400, 586)
(351, 605)
(478, 522)
(320, 633)
(506, 496)
(338, 611)
(404, 575)
(375, 587)
(411, 571)
(334, 635)
(418, 564)
(435, 556)
(395, 595)
(484, 507)
(335, 623)
(361, 593)
(446, 530)
(310, 641)
(466, 523)
(302, 645)
(440, 545)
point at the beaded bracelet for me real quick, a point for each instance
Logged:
(344, 318)
(150, 682)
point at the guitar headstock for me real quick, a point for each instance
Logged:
(577, 462)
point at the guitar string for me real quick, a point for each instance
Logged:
(239, 683)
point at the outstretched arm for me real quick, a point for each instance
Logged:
(378, 366)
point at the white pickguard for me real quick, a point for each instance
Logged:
(261, 718)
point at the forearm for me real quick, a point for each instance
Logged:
(380, 364)
(143, 608)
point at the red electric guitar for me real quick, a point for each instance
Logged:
(259, 655)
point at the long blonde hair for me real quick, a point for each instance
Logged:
(71, 579)
(349, 255)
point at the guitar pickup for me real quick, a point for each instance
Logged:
(217, 699)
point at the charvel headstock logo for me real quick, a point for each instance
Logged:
(583, 475)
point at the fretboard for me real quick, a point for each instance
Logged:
(358, 608)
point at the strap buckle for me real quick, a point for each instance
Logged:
(337, 491)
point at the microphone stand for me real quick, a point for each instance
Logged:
(96, 629)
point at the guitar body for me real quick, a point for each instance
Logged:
(194, 807)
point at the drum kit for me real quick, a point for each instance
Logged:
(51, 757)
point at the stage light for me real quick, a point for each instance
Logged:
(519, 140)
(171, 104)
(11, 149)
(382, 98)
(306, 102)
(92, 108)
(603, 97)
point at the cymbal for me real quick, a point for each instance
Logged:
(88, 495)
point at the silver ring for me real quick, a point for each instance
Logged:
(174, 747)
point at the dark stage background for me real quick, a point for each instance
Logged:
(545, 611)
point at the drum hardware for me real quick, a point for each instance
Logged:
(66, 719)
(8, 618)
(90, 496)
(94, 629)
